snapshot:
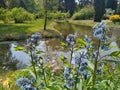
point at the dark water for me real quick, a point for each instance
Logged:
(11, 59)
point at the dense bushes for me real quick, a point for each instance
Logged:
(108, 12)
(58, 15)
(52, 15)
(20, 15)
(5, 15)
(85, 13)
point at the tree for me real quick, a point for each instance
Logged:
(3, 3)
(13, 3)
(45, 14)
(70, 6)
(99, 6)
(49, 5)
(82, 3)
(111, 4)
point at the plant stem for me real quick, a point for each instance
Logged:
(95, 64)
(35, 72)
(71, 54)
(43, 70)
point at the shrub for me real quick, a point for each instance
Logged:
(20, 15)
(118, 9)
(115, 18)
(40, 14)
(85, 13)
(108, 13)
(58, 15)
(5, 15)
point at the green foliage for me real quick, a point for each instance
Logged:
(85, 13)
(39, 14)
(118, 9)
(5, 15)
(20, 15)
(58, 15)
(108, 12)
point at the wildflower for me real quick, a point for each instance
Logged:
(71, 41)
(80, 58)
(6, 82)
(87, 39)
(76, 59)
(105, 47)
(115, 18)
(56, 69)
(83, 71)
(67, 72)
(70, 83)
(34, 38)
(100, 31)
(25, 84)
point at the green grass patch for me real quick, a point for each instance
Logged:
(91, 23)
(21, 30)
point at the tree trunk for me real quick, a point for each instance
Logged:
(70, 6)
(45, 13)
(99, 6)
(45, 20)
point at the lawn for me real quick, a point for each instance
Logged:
(20, 30)
(12, 31)
(91, 23)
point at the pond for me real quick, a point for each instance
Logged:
(11, 59)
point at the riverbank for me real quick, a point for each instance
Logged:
(20, 31)
(11, 31)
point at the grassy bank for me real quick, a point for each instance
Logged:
(12, 31)
(91, 23)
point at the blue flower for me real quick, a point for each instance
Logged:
(70, 83)
(71, 40)
(25, 84)
(87, 39)
(100, 31)
(80, 58)
(34, 38)
(67, 72)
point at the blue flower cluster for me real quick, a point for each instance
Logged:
(34, 38)
(100, 31)
(88, 41)
(81, 61)
(25, 84)
(70, 82)
(71, 40)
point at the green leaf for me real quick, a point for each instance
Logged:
(32, 73)
(19, 48)
(63, 44)
(63, 58)
(90, 80)
(114, 61)
(117, 53)
(91, 65)
(80, 85)
(39, 52)
(81, 43)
